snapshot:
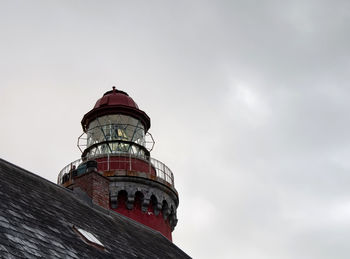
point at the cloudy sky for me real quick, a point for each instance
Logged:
(249, 102)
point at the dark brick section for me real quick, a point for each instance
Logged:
(96, 186)
(37, 219)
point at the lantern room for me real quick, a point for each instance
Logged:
(115, 126)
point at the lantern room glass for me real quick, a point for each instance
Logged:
(118, 133)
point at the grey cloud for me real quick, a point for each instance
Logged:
(248, 101)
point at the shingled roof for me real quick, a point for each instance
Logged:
(40, 219)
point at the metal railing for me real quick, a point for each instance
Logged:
(120, 162)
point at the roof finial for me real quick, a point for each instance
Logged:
(113, 89)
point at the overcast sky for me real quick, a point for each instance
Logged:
(249, 102)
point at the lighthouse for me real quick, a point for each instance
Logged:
(116, 169)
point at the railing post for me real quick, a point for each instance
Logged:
(130, 161)
(149, 166)
(108, 167)
(70, 171)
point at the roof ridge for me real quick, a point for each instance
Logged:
(33, 174)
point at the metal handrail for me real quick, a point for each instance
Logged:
(67, 169)
(163, 173)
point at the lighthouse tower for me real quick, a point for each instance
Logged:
(116, 169)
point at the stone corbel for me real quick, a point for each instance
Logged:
(145, 205)
(166, 213)
(157, 208)
(114, 202)
(130, 201)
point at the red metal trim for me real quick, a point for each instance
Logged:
(116, 109)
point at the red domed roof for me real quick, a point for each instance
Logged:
(115, 102)
(115, 97)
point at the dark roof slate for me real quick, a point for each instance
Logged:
(37, 219)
